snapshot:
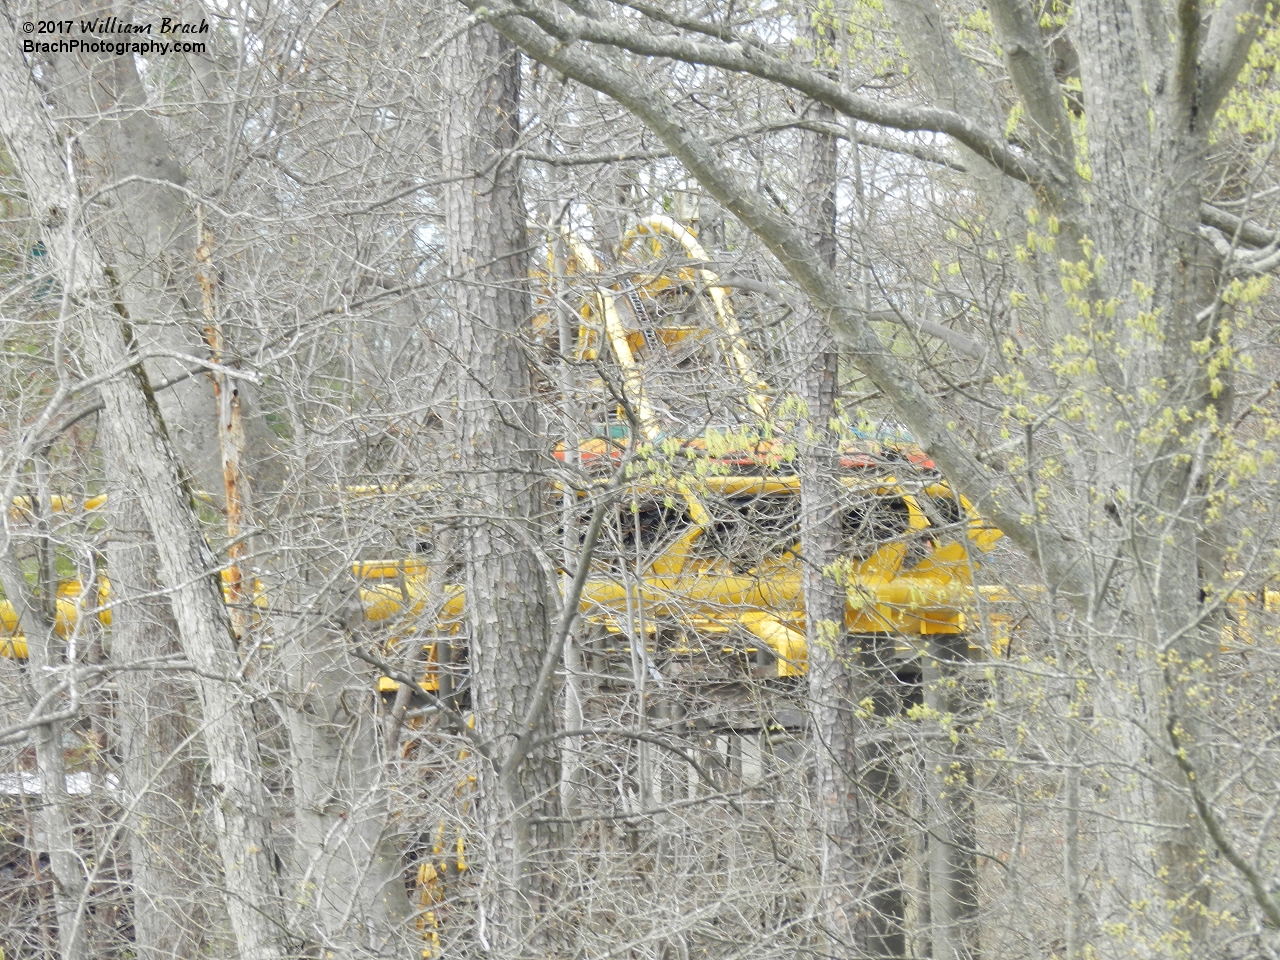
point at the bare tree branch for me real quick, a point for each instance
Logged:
(569, 27)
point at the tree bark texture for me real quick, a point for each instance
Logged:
(150, 229)
(241, 815)
(950, 840)
(170, 909)
(831, 669)
(499, 450)
(346, 871)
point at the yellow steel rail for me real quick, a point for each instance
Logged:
(22, 508)
(649, 233)
(693, 591)
(71, 603)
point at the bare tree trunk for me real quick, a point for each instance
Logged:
(862, 902)
(499, 447)
(948, 810)
(347, 872)
(150, 230)
(572, 774)
(57, 835)
(346, 875)
(241, 817)
(163, 255)
(831, 680)
(157, 779)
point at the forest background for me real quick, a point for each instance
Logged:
(306, 298)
